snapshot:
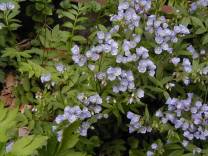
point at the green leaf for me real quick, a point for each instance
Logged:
(79, 38)
(79, 27)
(173, 136)
(188, 154)
(205, 39)
(166, 80)
(14, 26)
(13, 53)
(28, 145)
(82, 19)
(75, 7)
(72, 153)
(69, 15)
(73, 11)
(146, 114)
(68, 25)
(51, 148)
(136, 152)
(120, 107)
(7, 122)
(183, 52)
(70, 137)
(32, 69)
(206, 23)
(102, 27)
(176, 153)
(196, 21)
(173, 147)
(186, 21)
(26, 84)
(201, 30)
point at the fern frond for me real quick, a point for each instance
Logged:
(7, 122)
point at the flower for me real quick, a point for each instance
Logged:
(187, 65)
(7, 6)
(150, 153)
(175, 60)
(59, 119)
(197, 4)
(100, 35)
(191, 49)
(83, 129)
(205, 70)
(60, 68)
(59, 135)
(45, 78)
(154, 146)
(135, 124)
(75, 50)
(9, 146)
(186, 81)
(140, 93)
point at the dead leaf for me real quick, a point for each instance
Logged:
(23, 131)
(167, 9)
(6, 94)
(24, 106)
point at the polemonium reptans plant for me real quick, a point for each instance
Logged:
(131, 57)
(125, 77)
(131, 51)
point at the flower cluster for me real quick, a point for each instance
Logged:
(92, 108)
(198, 4)
(189, 116)
(136, 124)
(77, 57)
(73, 114)
(147, 65)
(192, 50)
(126, 79)
(142, 56)
(187, 67)
(93, 102)
(136, 96)
(127, 12)
(7, 6)
(195, 150)
(84, 127)
(127, 46)
(164, 36)
(106, 44)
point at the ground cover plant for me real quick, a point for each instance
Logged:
(104, 78)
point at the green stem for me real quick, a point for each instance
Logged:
(6, 20)
(73, 29)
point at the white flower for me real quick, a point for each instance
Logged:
(175, 60)
(140, 93)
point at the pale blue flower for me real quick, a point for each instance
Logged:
(45, 78)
